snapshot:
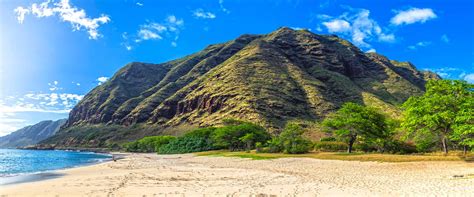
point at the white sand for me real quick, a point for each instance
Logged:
(188, 175)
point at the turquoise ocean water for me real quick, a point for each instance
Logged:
(15, 162)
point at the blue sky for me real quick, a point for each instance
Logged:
(54, 52)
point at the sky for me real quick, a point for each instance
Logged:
(52, 52)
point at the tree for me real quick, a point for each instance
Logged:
(353, 120)
(293, 141)
(463, 129)
(290, 141)
(444, 111)
(240, 136)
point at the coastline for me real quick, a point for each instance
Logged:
(26, 177)
(191, 175)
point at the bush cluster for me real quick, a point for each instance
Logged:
(194, 141)
(234, 135)
(331, 146)
(148, 144)
(290, 141)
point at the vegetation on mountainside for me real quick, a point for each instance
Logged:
(271, 79)
(299, 91)
(352, 127)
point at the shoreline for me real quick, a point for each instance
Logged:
(27, 177)
(191, 175)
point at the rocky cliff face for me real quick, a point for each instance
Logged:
(31, 135)
(269, 79)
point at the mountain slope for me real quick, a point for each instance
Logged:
(269, 79)
(31, 135)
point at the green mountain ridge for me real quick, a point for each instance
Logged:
(269, 79)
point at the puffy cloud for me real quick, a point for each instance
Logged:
(21, 12)
(200, 13)
(357, 25)
(413, 15)
(469, 78)
(337, 26)
(66, 12)
(148, 34)
(169, 28)
(102, 80)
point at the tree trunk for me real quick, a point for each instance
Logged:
(464, 151)
(445, 145)
(351, 142)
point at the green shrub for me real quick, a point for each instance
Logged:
(330, 146)
(148, 144)
(194, 141)
(328, 139)
(274, 145)
(290, 141)
(259, 147)
(239, 137)
(400, 147)
(365, 147)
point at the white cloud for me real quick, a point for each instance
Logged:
(371, 51)
(419, 44)
(169, 28)
(139, 4)
(66, 12)
(147, 34)
(221, 4)
(102, 80)
(469, 78)
(21, 12)
(200, 13)
(413, 15)
(445, 38)
(14, 109)
(337, 26)
(31, 103)
(357, 25)
(53, 86)
(448, 72)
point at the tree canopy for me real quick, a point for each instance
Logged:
(353, 121)
(443, 112)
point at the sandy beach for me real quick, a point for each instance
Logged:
(190, 175)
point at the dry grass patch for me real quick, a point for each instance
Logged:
(343, 156)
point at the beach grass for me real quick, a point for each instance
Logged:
(378, 157)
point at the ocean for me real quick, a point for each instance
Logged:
(17, 162)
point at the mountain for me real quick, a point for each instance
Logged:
(32, 134)
(269, 79)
